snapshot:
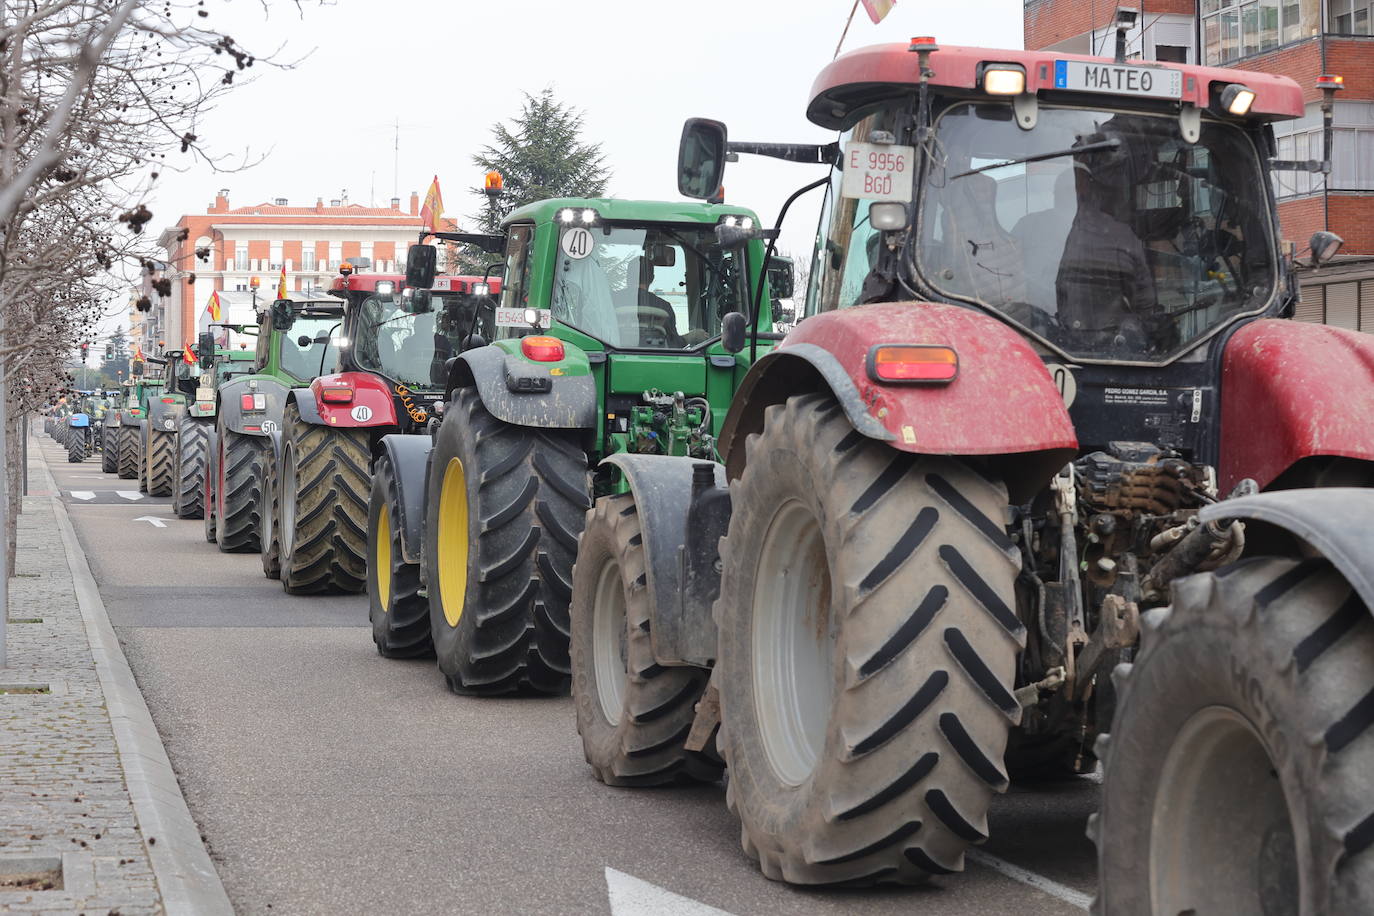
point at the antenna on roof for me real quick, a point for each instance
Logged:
(396, 162)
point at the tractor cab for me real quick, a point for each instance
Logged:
(406, 336)
(300, 338)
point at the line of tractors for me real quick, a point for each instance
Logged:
(1044, 477)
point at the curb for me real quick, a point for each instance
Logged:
(186, 877)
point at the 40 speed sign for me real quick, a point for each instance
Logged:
(878, 171)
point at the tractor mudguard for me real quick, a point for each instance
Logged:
(569, 403)
(409, 457)
(370, 404)
(1338, 522)
(304, 399)
(160, 413)
(231, 406)
(1291, 390)
(683, 521)
(1001, 404)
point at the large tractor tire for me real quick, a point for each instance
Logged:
(76, 447)
(398, 611)
(209, 494)
(143, 456)
(188, 470)
(632, 713)
(238, 491)
(504, 507)
(109, 450)
(127, 448)
(162, 447)
(1237, 776)
(268, 535)
(867, 652)
(322, 495)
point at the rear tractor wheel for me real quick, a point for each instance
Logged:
(109, 449)
(504, 507)
(322, 495)
(867, 653)
(161, 455)
(632, 713)
(127, 448)
(76, 447)
(1236, 778)
(238, 491)
(188, 476)
(399, 613)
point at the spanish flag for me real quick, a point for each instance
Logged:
(189, 354)
(281, 284)
(138, 352)
(878, 9)
(433, 209)
(216, 313)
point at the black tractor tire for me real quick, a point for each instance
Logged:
(162, 447)
(271, 512)
(395, 605)
(143, 456)
(188, 473)
(109, 450)
(322, 507)
(209, 494)
(502, 500)
(127, 448)
(76, 447)
(632, 713)
(864, 728)
(238, 498)
(1237, 775)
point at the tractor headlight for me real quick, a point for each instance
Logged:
(385, 287)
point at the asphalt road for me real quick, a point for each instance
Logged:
(327, 779)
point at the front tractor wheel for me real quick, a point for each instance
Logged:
(504, 507)
(633, 714)
(399, 613)
(867, 648)
(322, 499)
(1237, 773)
(268, 536)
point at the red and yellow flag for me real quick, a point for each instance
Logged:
(215, 312)
(138, 351)
(281, 284)
(188, 354)
(878, 9)
(433, 209)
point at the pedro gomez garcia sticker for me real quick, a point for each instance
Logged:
(878, 171)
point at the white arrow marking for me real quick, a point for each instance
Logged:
(130, 495)
(82, 494)
(632, 897)
(156, 522)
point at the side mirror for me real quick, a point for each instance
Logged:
(136, 367)
(1324, 246)
(732, 328)
(421, 266)
(781, 278)
(282, 315)
(418, 301)
(205, 349)
(701, 158)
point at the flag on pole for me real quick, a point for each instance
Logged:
(213, 308)
(281, 284)
(189, 354)
(138, 352)
(433, 209)
(878, 9)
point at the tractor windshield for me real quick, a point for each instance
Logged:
(658, 287)
(1124, 250)
(310, 346)
(412, 348)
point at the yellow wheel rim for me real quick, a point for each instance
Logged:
(381, 558)
(453, 541)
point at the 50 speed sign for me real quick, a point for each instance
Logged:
(878, 171)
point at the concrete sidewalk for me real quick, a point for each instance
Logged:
(91, 817)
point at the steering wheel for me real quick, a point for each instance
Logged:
(654, 323)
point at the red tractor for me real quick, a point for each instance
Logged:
(1042, 460)
(392, 345)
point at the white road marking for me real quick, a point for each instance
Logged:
(632, 897)
(1031, 879)
(155, 522)
(130, 495)
(83, 494)
(90, 477)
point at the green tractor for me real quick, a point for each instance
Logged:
(196, 422)
(132, 414)
(297, 341)
(619, 331)
(158, 446)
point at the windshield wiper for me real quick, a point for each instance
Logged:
(1114, 143)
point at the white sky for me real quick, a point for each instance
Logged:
(448, 71)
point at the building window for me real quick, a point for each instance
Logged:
(1172, 54)
(308, 259)
(1299, 146)
(1349, 17)
(1352, 160)
(1232, 29)
(241, 257)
